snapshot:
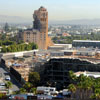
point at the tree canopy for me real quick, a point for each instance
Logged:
(34, 78)
(85, 84)
(18, 47)
(69, 39)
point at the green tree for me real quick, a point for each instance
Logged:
(72, 77)
(8, 85)
(6, 27)
(2, 96)
(13, 47)
(34, 78)
(82, 78)
(72, 88)
(33, 90)
(27, 86)
(4, 49)
(22, 90)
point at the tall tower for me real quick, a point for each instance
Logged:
(39, 33)
(41, 24)
(41, 20)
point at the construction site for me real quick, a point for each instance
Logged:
(58, 67)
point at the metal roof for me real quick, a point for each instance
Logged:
(85, 41)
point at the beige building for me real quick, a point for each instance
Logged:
(39, 33)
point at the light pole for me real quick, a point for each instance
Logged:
(33, 59)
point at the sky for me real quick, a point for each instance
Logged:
(57, 9)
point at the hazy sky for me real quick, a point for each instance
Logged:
(58, 9)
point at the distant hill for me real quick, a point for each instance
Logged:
(77, 22)
(17, 19)
(14, 19)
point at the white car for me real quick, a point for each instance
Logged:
(2, 84)
(7, 78)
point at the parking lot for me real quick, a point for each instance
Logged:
(6, 76)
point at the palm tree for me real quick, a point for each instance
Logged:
(88, 84)
(22, 90)
(96, 94)
(72, 88)
(82, 78)
(85, 86)
(27, 86)
(34, 90)
(8, 85)
(72, 77)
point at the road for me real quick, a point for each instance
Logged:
(16, 85)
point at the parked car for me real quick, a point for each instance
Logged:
(2, 84)
(6, 73)
(47, 90)
(7, 78)
(66, 92)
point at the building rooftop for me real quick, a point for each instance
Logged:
(62, 44)
(81, 58)
(85, 41)
(91, 74)
(42, 8)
